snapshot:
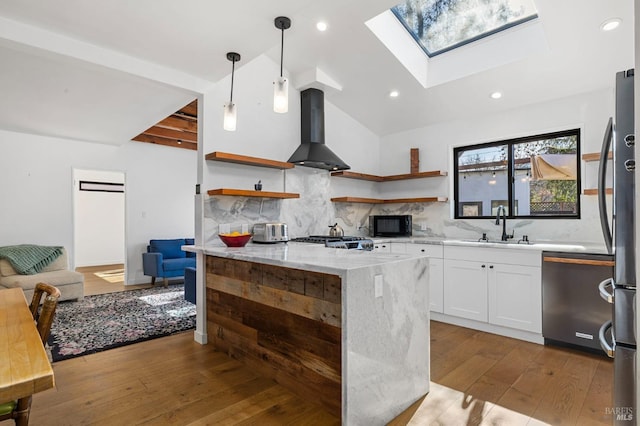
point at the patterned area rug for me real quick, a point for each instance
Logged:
(111, 320)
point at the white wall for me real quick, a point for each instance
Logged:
(264, 133)
(99, 216)
(37, 189)
(589, 112)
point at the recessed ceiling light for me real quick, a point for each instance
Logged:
(496, 95)
(393, 94)
(610, 24)
(321, 26)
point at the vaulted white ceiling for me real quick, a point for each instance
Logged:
(73, 68)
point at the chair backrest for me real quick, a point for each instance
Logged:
(44, 317)
(170, 249)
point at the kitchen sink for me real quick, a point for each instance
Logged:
(539, 245)
(480, 241)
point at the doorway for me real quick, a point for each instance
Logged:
(99, 225)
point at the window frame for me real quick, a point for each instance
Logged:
(463, 42)
(511, 174)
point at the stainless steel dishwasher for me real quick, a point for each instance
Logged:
(572, 309)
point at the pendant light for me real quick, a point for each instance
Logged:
(281, 85)
(230, 110)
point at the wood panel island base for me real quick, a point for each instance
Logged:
(346, 329)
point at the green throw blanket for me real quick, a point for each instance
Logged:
(29, 259)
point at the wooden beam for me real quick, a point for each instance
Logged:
(171, 134)
(191, 109)
(179, 123)
(415, 161)
(166, 142)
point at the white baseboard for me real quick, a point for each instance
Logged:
(489, 328)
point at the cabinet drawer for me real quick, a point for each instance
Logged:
(431, 250)
(495, 255)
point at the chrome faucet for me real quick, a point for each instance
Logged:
(502, 209)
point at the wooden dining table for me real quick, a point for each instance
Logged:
(24, 366)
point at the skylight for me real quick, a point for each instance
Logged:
(442, 25)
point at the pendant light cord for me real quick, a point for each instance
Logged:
(281, 51)
(233, 70)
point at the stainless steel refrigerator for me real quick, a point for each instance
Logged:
(618, 336)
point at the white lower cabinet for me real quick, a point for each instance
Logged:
(465, 290)
(436, 276)
(515, 298)
(498, 286)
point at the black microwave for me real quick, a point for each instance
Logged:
(390, 226)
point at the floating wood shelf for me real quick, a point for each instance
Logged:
(376, 178)
(249, 161)
(390, 201)
(357, 200)
(249, 193)
(594, 156)
(594, 191)
(359, 176)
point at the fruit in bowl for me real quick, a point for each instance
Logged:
(235, 239)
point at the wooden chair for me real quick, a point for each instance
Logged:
(19, 410)
(44, 318)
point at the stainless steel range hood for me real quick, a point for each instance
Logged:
(312, 152)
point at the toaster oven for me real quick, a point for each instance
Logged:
(270, 233)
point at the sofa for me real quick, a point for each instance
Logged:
(56, 273)
(165, 259)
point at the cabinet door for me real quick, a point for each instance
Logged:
(436, 285)
(465, 289)
(398, 247)
(515, 297)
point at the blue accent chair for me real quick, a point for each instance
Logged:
(190, 284)
(165, 259)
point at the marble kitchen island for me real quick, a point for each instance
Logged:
(348, 329)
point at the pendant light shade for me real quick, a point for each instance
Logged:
(230, 110)
(230, 117)
(281, 95)
(281, 85)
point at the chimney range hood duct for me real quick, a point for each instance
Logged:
(312, 152)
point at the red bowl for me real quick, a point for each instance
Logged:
(235, 240)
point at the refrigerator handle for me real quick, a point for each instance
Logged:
(602, 190)
(602, 287)
(606, 347)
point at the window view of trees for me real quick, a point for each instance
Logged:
(441, 24)
(536, 176)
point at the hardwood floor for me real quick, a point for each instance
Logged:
(106, 279)
(480, 378)
(477, 379)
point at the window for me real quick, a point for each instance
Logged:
(442, 25)
(535, 177)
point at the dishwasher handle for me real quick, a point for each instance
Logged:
(606, 347)
(602, 288)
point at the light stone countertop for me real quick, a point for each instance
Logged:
(540, 245)
(305, 256)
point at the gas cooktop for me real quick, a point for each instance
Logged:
(344, 242)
